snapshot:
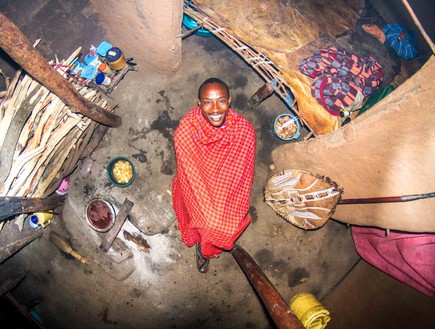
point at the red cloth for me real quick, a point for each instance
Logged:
(407, 257)
(212, 187)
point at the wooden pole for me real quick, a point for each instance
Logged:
(420, 27)
(278, 309)
(16, 45)
(10, 279)
(388, 199)
(12, 240)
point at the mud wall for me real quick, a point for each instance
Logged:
(145, 30)
(387, 151)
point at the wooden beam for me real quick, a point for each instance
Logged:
(10, 279)
(15, 43)
(12, 240)
(10, 205)
(279, 311)
(420, 27)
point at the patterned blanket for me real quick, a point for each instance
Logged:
(339, 75)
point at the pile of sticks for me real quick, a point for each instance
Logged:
(41, 139)
(257, 60)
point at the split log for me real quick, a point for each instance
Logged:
(87, 146)
(50, 143)
(13, 42)
(11, 137)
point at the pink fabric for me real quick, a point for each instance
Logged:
(408, 257)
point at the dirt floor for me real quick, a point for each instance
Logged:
(159, 286)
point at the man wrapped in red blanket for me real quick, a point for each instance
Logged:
(215, 151)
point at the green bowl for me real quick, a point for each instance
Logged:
(110, 171)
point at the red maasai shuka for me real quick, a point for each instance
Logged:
(212, 187)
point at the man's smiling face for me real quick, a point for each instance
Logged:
(214, 103)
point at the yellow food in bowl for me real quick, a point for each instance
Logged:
(122, 171)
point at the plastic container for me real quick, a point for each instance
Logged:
(115, 58)
(91, 57)
(111, 175)
(102, 79)
(63, 187)
(105, 69)
(41, 219)
(103, 47)
(190, 24)
(77, 68)
(311, 313)
(282, 126)
(89, 72)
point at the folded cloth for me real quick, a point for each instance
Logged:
(339, 75)
(408, 257)
(401, 40)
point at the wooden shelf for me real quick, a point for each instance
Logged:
(116, 78)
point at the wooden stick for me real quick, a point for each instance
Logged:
(388, 199)
(189, 32)
(74, 153)
(52, 138)
(278, 309)
(420, 27)
(13, 41)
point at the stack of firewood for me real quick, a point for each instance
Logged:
(41, 139)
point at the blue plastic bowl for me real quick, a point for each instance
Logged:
(190, 24)
(295, 119)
